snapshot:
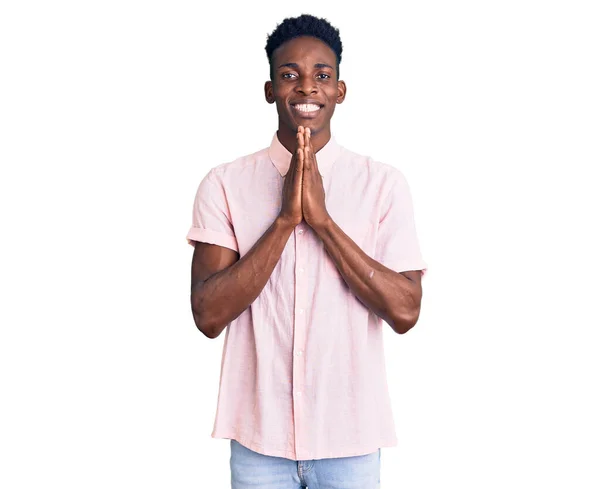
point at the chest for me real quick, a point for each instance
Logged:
(353, 203)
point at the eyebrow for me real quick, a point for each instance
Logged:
(295, 65)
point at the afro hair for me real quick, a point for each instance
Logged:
(305, 25)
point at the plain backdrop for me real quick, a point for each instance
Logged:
(112, 112)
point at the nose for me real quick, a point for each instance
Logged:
(306, 85)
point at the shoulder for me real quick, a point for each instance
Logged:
(382, 174)
(242, 163)
(236, 169)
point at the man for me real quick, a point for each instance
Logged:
(302, 250)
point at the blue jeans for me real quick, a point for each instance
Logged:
(252, 470)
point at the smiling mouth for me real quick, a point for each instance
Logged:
(307, 109)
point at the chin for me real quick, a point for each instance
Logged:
(314, 128)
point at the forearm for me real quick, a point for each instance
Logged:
(224, 296)
(389, 294)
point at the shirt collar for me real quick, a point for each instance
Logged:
(326, 156)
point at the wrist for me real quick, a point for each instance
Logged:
(322, 225)
(284, 224)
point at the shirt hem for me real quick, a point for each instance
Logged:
(259, 448)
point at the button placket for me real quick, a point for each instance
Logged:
(300, 323)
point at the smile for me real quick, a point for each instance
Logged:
(306, 108)
(306, 111)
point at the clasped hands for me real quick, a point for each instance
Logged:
(303, 191)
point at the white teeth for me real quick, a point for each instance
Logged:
(307, 107)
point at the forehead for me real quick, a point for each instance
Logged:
(304, 49)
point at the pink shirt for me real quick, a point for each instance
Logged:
(303, 371)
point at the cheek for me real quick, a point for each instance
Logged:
(282, 111)
(331, 103)
(282, 105)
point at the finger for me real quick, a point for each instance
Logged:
(299, 173)
(307, 161)
(300, 160)
(308, 139)
(300, 138)
(311, 154)
(293, 164)
(305, 147)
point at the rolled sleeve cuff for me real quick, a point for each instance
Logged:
(408, 266)
(212, 237)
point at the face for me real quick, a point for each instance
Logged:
(304, 88)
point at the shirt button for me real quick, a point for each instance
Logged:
(298, 393)
(301, 311)
(299, 353)
(302, 270)
(300, 231)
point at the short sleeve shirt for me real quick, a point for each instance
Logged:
(303, 371)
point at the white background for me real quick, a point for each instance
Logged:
(111, 113)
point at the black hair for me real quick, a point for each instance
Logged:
(305, 25)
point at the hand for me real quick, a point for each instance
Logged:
(313, 193)
(291, 205)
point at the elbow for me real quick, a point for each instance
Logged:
(202, 317)
(210, 325)
(402, 328)
(203, 322)
(202, 325)
(402, 323)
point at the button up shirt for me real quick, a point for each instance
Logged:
(303, 371)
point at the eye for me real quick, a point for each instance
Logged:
(288, 76)
(323, 75)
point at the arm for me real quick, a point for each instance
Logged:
(395, 297)
(223, 286)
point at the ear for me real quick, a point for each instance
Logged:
(269, 92)
(341, 85)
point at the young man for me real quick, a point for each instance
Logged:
(302, 250)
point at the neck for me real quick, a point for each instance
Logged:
(288, 138)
